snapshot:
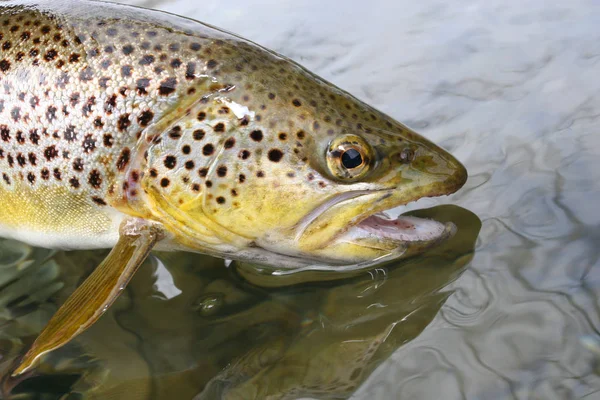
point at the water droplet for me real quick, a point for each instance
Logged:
(209, 304)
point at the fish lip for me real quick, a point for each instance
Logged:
(455, 183)
(307, 220)
(449, 228)
(359, 224)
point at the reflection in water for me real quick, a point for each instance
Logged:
(187, 327)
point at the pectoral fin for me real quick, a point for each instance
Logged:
(97, 292)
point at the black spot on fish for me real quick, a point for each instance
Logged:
(123, 123)
(256, 135)
(70, 134)
(88, 106)
(110, 104)
(229, 143)
(176, 63)
(34, 137)
(208, 149)
(107, 140)
(141, 85)
(4, 133)
(51, 113)
(128, 49)
(167, 86)
(4, 65)
(222, 171)
(86, 75)
(145, 118)
(99, 201)
(175, 133)
(21, 160)
(34, 102)
(50, 152)
(170, 162)
(103, 82)
(95, 179)
(190, 71)
(123, 159)
(89, 144)
(73, 99)
(15, 113)
(198, 134)
(275, 155)
(50, 55)
(126, 71)
(105, 64)
(78, 164)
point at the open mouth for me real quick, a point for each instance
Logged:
(403, 228)
(382, 230)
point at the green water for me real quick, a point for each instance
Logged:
(187, 325)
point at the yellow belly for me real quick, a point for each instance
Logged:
(55, 217)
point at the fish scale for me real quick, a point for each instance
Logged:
(76, 99)
(79, 92)
(133, 129)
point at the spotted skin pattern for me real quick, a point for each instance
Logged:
(110, 111)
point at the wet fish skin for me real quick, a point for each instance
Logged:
(111, 111)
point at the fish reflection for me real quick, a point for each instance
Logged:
(188, 328)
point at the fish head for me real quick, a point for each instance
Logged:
(282, 168)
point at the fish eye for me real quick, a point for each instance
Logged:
(349, 157)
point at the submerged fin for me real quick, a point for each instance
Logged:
(97, 292)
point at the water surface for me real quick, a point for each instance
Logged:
(511, 88)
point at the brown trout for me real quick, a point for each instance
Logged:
(133, 129)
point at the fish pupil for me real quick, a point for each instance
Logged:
(351, 159)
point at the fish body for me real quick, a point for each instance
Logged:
(110, 111)
(78, 91)
(133, 129)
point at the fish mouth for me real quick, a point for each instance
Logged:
(381, 230)
(371, 226)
